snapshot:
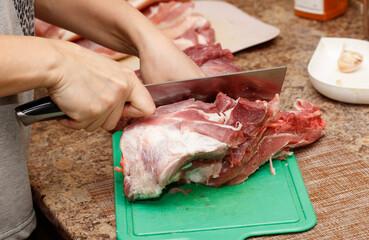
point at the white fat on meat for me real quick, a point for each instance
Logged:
(153, 11)
(147, 179)
(190, 22)
(203, 174)
(168, 14)
(272, 169)
(183, 43)
(176, 21)
(201, 39)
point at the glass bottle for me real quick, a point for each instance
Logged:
(321, 10)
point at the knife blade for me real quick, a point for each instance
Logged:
(261, 84)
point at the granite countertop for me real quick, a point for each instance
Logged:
(63, 161)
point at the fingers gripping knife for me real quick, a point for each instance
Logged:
(261, 84)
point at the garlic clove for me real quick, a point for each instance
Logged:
(349, 61)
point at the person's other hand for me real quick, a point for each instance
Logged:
(94, 91)
(165, 62)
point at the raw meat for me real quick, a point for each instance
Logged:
(211, 143)
(178, 21)
(212, 59)
(287, 130)
(141, 4)
(46, 30)
(100, 49)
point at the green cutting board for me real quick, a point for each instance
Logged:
(263, 204)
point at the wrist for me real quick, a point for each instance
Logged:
(55, 57)
(143, 35)
(30, 63)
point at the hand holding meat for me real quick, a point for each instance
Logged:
(165, 63)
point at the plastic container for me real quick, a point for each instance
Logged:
(321, 10)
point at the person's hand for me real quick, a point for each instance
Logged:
(93, 90)
(165, 62)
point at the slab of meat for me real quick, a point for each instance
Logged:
(179, 22)
(211, 143)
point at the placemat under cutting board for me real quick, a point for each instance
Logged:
(263, 204)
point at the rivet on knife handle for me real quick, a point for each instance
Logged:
(38, 110)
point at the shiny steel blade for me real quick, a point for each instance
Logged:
(256, 84)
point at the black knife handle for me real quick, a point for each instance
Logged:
(38, 110)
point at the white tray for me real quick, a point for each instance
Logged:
(328, 80)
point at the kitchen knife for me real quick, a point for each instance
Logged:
(261, 84)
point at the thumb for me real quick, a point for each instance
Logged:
(140, 103)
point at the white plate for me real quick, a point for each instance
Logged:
(328, 80)
(234, 29)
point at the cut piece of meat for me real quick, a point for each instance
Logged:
(46, 30)
(157, 147)
(168, 14)
(179, 22)
(287, 130)
(211, 143)
(212, 59)
(200, 32)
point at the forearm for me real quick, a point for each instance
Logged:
(117, 25)
(112, 23)
(26, 63)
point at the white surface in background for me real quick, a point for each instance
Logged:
(234, 29)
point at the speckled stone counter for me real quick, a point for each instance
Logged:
(63, 161)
